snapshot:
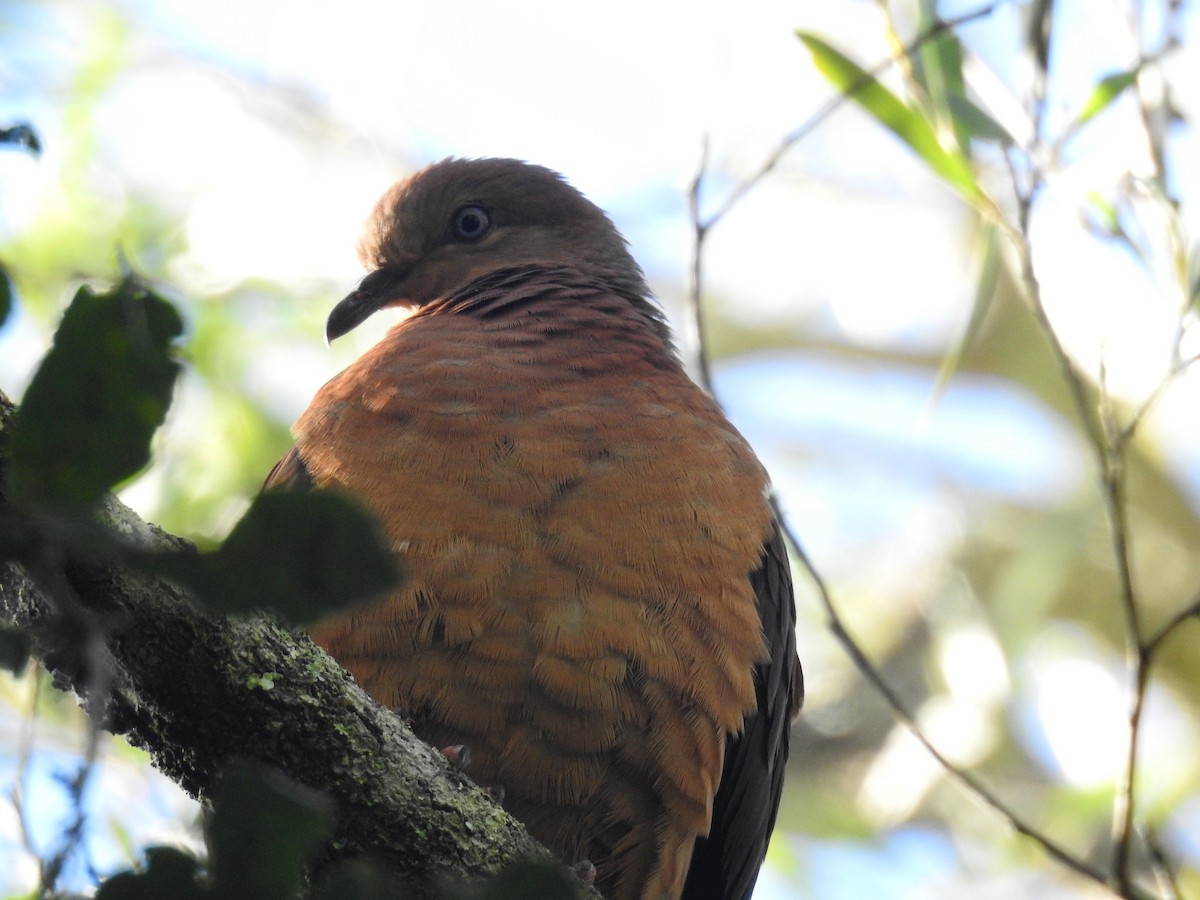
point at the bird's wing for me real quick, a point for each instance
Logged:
(289, 474)
(725, 864)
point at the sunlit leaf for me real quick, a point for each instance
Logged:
(1101, 216)
(906, 123)
(300, 555)
(1109, 88)
(96, 399)
(977, 123)
(939, 72)
(1194, 277)
(985, 287)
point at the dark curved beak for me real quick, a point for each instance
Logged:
(375, 291)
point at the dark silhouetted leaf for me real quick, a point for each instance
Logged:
(19, 538)
(94, 403)
(15, 646)
(1038, 32)
(299, 555)
(545, 879)
(359, 879)
(6, 294)
(169, 872)
(977, 123)
(22, 135)
(262, 830)
(908, 124)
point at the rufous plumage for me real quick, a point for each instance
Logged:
(597, 597)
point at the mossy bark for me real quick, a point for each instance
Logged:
(198, 692)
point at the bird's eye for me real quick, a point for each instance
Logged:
(471, 223)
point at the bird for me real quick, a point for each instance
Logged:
(597, 598)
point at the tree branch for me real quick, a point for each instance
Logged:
(192, 690)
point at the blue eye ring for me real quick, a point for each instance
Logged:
(471, 222)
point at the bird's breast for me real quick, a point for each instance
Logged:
(576, 521)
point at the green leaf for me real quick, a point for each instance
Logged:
(1193, 277)
(359, 878)
(298, 554)
(1109, 88)
(15, 647)
(87, 418)
(262, 830)
(6, 293)
(20, 537)
(170, 872)
(21, 135)
(546, 879)
(906, 123)
(985, 288)
(977, 123)
(938, 70)
(1101, 216)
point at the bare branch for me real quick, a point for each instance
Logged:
(880, 683)
(834, 104)
(1191, 611)
(1095, 413)
(695, 299)
(1107, 439)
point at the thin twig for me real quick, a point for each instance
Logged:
(1141, 652)
(695, 301)
(880, 683)
(25, 744)
(1107, 438)
(1191, 611)
(1125, 435)
(1138, 651)
(701, 229)
(833, 104)
(85, 634)
(1094, 414)
(701, 225)
(1159, 864)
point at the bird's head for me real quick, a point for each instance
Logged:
(458, 220)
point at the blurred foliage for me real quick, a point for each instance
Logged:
(5, 294)
(84, 425)
(1107, 577)
(979, 607)
(261, 829)
(334, 554)
(15, 646)
(87, 417)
